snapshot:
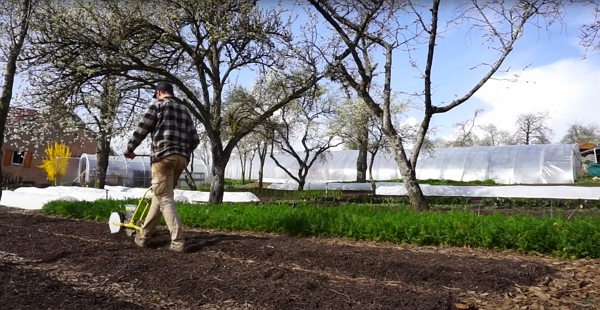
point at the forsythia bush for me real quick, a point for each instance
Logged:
(56, 161)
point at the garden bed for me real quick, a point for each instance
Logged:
(58, 263)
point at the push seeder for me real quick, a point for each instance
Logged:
(132, 219)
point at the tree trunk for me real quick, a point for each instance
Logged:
(189, 175)
(243, 166)
(262, 155)
(11, 69)
(4, 108)
(217, 185)
(260, 174)
(102, 154)
(219, 163)
(250, 167)
(361, 160)
(373, 187)
(361, 165)
(415, 194)
(409, 176)
(301, 183)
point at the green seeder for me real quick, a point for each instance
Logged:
(132, 219)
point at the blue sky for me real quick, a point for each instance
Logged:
(558, 79)
(553, 76)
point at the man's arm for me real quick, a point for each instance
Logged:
(146, 125)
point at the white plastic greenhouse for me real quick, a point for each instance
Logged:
(516, 164)
(130, 172)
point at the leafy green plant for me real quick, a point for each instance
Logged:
(86, 210)
(393, 222)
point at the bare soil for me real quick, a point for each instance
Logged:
(54, 263)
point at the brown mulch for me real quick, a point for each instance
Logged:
(53, 263)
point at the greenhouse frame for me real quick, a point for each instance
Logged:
(514, 164)
(135, 172)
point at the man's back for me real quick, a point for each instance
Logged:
(171, 127)
(174, 132)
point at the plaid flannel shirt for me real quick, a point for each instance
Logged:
(171, 127)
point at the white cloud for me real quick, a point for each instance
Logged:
(568, 89)
(411, 121)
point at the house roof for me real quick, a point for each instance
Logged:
(22, 111)
(586, 146)
(19, 114)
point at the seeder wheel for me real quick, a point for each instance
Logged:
(116, 217)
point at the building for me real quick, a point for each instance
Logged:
(23, 152)
(589, 152)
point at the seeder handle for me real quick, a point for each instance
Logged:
(142, 199)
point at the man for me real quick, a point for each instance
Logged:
(174, 138)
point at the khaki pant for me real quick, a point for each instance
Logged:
(165, 175)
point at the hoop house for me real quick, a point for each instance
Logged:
(515, 164)
(135, 172)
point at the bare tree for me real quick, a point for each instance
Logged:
(265, 134)
(14, 26)
(589, 35)
(203, 151)
(262, 147)
(379, 26)
(354, 116)
(377, 144)
(436, 143)
(464, 135)
(245, 152)
(578, 133)
(492, 136)
(196, 45)
(305, 121)
(104, 108)
(532, 128)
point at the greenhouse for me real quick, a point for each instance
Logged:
(515, 164)
(130, 172)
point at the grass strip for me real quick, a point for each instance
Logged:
(575, 238)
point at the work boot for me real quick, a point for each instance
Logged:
(140, 242)
(177, 246)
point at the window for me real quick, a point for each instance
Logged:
(18, 158)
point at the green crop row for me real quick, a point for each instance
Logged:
(465, 201)
(573, 238)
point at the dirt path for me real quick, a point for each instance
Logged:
(61, 264)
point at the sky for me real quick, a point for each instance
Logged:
(553, 75)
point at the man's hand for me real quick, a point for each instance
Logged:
(129, 154)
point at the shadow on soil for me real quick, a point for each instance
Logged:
(32, 289)
(197, 241)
